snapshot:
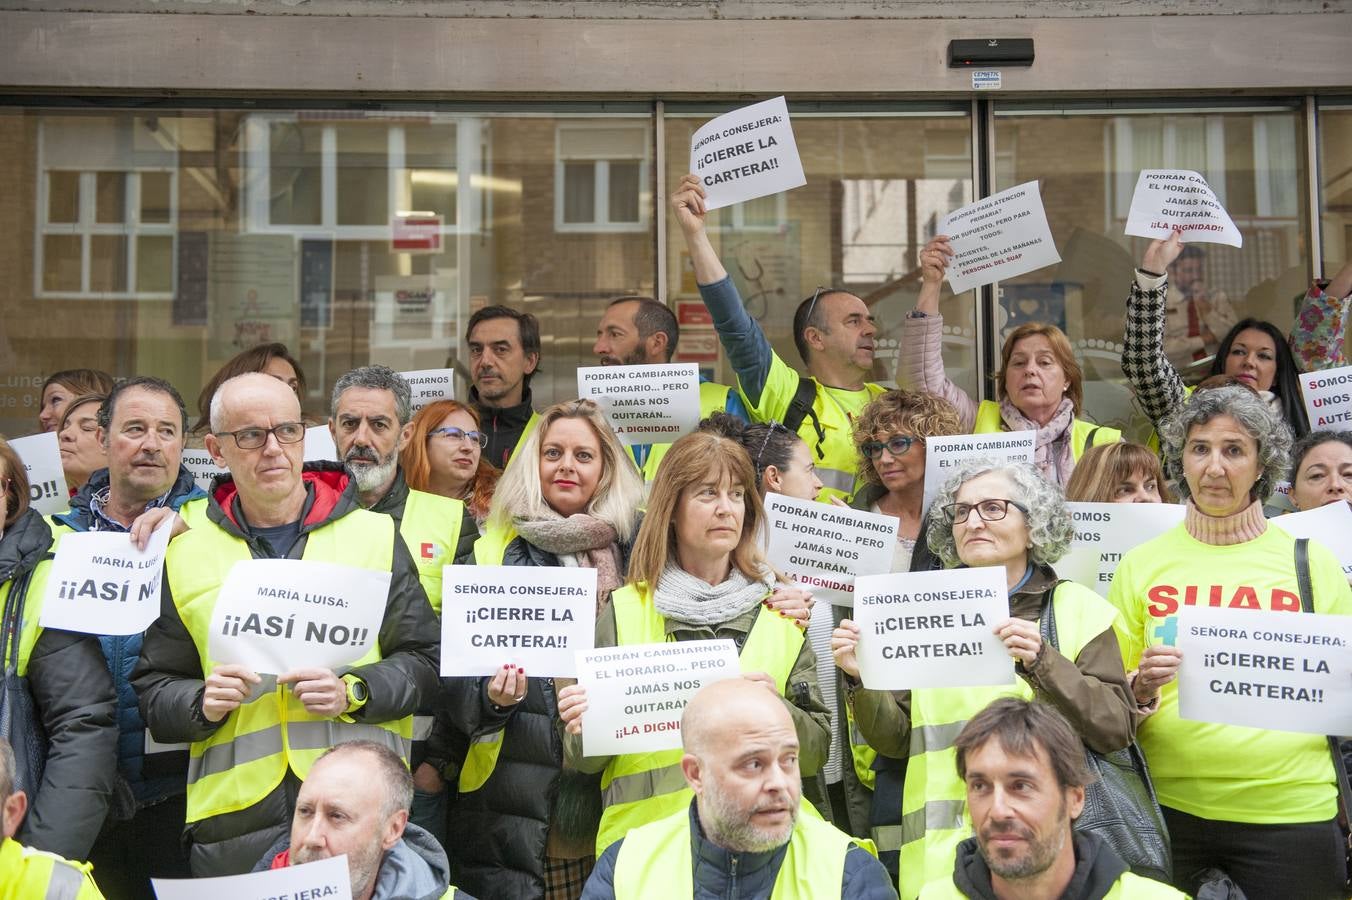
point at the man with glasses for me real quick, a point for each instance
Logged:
(254, 737)
(834, 333)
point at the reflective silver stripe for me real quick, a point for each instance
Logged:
(153, 746)
(422, 727)
(488, 737)
(887, 837)
(836, 479)
(930, 738)
(264, 688)
(65, 882)
(321, 735)
(644, 785)
(244, 749)
(938, 815)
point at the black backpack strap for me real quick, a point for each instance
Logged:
(1303, 575)
(1089, 441)
(800, 408)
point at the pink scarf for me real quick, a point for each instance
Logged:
(1052, 455)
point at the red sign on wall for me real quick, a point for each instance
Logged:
(416, 234)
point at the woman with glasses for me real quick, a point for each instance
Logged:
(444, 455)
(525, 827)
(1039, 386)
(82, 453)
(1011, 518)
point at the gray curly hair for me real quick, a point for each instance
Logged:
(1253, 415)
(1049, 525)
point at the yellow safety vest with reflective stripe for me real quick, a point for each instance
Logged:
(712, 398)
(531, 424)
(934, 818)
(431, 529)
(1127, 887)
(861, 754)
(28, 874)
(988, 421)
(638, 788)
(29, 629)
(655, 861)
(194, 512)
(250, 753)
(492, 545)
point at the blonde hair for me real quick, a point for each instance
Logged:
(1065, 358)
(618, 495)
(696, 459)
(1101, 469)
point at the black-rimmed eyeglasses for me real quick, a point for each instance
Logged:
(987, 510)
(894, 445)
(253, 438)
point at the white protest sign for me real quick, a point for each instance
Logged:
(100, 583)
(636, 693)
(1169, 200)
(1266, 669)
(1330, 525)
(932, 629)
(1105, 531)
(745, 154)
(325, 879)
(279, 615)
(823, 547)
(202, 467)
(41, 458)
(942, 454)
(430, 385)
(644, 404)
(1328, 398)
(534, 617)
(999, 237)
(319, 446)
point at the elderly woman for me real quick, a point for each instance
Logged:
(1260, 805)
(697, 574)
(444, 455)
(1118, 473)
(62, 387)
(1321, 469)
(1010, 517)
(524, 827)
(82, 453)
(1039, 386)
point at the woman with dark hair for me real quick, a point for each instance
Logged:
(444, 455)
(1321, 469)
(271, 359)
(62, 387)
(782, 459)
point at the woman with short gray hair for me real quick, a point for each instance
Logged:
(1005, 516)
(1263, 807)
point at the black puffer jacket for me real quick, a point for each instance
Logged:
(498, 833)
(75, 703)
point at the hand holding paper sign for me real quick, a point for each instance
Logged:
(687, 204)
(1160, 255)
(844, 643)
(934, 259)
(1159, 666)
(572, 704)
(144, 525)
(227, 687)
(319, 690)
(508, 687)
(1021, 639)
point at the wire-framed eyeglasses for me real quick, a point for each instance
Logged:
(459, 434)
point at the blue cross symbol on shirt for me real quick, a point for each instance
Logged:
(1168, 631)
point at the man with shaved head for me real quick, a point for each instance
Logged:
(745, 833)
(254, 737)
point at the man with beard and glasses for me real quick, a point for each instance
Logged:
(355, 802)
(742, 835)
(639, 331)
(1025, 772)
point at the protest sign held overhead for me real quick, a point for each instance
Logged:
(823, 547)
(202, 467)
(745, 154)
(932, 629)
(99, 583)
(636, 693)
(942, 454)
(999, 237)
(536, 618)
(324, 879)
(646, 404)
(279, 615)
(1330, 525)
(1266, 669)
(430, 385)
(1105, 531)
(319, 446)
(1328, 398)
(41, 456)
(1169, 200)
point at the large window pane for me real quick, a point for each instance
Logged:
(1335, 190)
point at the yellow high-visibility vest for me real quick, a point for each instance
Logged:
(431, 530)
(988, 421)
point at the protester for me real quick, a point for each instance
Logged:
(355, 802)
(1039, 386)
(1025, 776)
(25, 872)
(834, 333)
(268, 506)
(570, 497)
(1318, 332)
(73, 700)
(1254, 351)
(743, 834)
(697, 572)
(141, 426)
(782, 460)
(271, 359)
(444, 456)
(82, 453)
(62, 387)
(641, 331)
(1321, 469)
(1006, 516)
(504, 354)
(1118, 473)
(1263, 807)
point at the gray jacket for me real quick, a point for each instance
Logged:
(416, 868)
